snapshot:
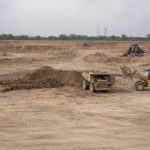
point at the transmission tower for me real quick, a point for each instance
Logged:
(97, 29)
(105, 32)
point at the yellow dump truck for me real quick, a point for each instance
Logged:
(97, 81)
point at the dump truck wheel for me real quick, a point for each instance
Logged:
(92, 88)
(139, 86)
(85, 85)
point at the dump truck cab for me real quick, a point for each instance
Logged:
(98, 81)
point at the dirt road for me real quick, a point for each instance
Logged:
(68, 118)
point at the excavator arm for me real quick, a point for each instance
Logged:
(126, 71)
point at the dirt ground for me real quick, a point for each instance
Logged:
(69, 118)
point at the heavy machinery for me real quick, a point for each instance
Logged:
(141, 80)
(133, 51)
(98, 81)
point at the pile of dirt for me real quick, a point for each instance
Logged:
(10, 61)
(45, 77)
(119, 60)
(134, 50)
(4, 54)
(97, 57)
(102, 58)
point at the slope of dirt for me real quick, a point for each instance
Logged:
(97, 57)
(101, 58)
(44, 77)
(28, 46)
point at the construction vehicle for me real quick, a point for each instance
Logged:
(133, 51)
(141, 80)
(98, 81)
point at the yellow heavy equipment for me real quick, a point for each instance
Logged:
(141, 80)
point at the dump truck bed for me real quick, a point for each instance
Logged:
(87, 75)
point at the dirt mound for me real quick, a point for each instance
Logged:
(97, 57)
(118, 60)
(45, 77)
(102, 58)
(4, 54)
(9, 61)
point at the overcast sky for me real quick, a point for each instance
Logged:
(54, 17)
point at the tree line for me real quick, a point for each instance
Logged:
(71, 37)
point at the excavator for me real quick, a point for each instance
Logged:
(141, 80)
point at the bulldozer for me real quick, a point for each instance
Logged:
(141, 80)
(95, 81)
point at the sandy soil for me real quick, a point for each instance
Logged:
(71, 118)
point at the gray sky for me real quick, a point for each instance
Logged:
(54, 17)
